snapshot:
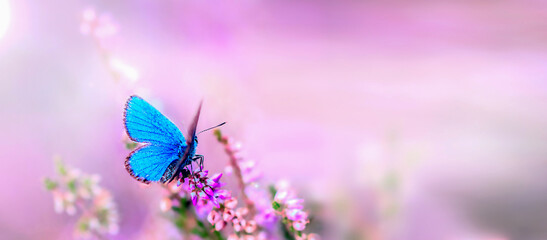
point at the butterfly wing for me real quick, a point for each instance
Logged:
(166, 143)
(189, 152)
(149, 163)
(194, 125)
(145, 124)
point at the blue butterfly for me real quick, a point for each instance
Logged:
(166, 152)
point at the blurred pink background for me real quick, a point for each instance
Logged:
(423, 120)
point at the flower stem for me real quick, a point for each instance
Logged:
(237, 172)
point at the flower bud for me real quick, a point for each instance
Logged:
(299, 225)
(220, 225)
(295, 203)
(231, 203)
(236, 224)
(233, 237)
(228, 214)
(213, 217)
(296, 214)
(165, 204)
(240, 212)
(250, 227)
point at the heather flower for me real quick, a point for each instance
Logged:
(123, 70)
(247, 168)
(252, 216)
(206, 190)
(295, 203)
(165, 204)
(313, 236)
(220, 225)
(76, 192)
(231, 203)
(228, 214)
(241, 212)
(99, 27)
(233, 237)
(299, 225)
(290, 208)
(102, 30)
(265, 215)
(213, 217)
(250, 227)
(296, 214)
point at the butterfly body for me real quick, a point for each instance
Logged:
(165, 152)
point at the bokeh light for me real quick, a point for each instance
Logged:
(5, 17)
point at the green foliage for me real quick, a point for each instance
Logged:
(130, 145)
(218, 134)
(272, 190)
(71, 185)
(60, 166)
(50, 184)
(286, 233)
(218, 235)
(276, 206)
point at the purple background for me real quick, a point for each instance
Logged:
(422, 120)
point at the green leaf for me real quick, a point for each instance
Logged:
(285, 220)
(200, 224)
(71, 185)
(177, 209)
(185, 203)
(50, 184)
(218, 134)
(276, 205)
(179, 222)
(272, 190)
(130, 145)
(83, 225)
(199, 232)
(60, 166)
(286, 234)
(218, 235)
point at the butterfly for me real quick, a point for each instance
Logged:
(165, 152)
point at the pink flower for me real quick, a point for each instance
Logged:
(220, 225)
(240, 212)
(233, 237)
(236, 224)
(228, 214)
(231, 203)
(313, 236)
(296, 215)
(262, 236)
(281, 196)
(213, 217)
(100, 27)
(194, 197)
(302, 237)
(223, 194)
(208, 189)
(295, 203)
(165, 204)
(249, 237)
(299, 225)
(250, 227)
(266, 217)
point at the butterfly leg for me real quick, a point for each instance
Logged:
(200, 157)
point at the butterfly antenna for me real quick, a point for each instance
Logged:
(212, 127)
